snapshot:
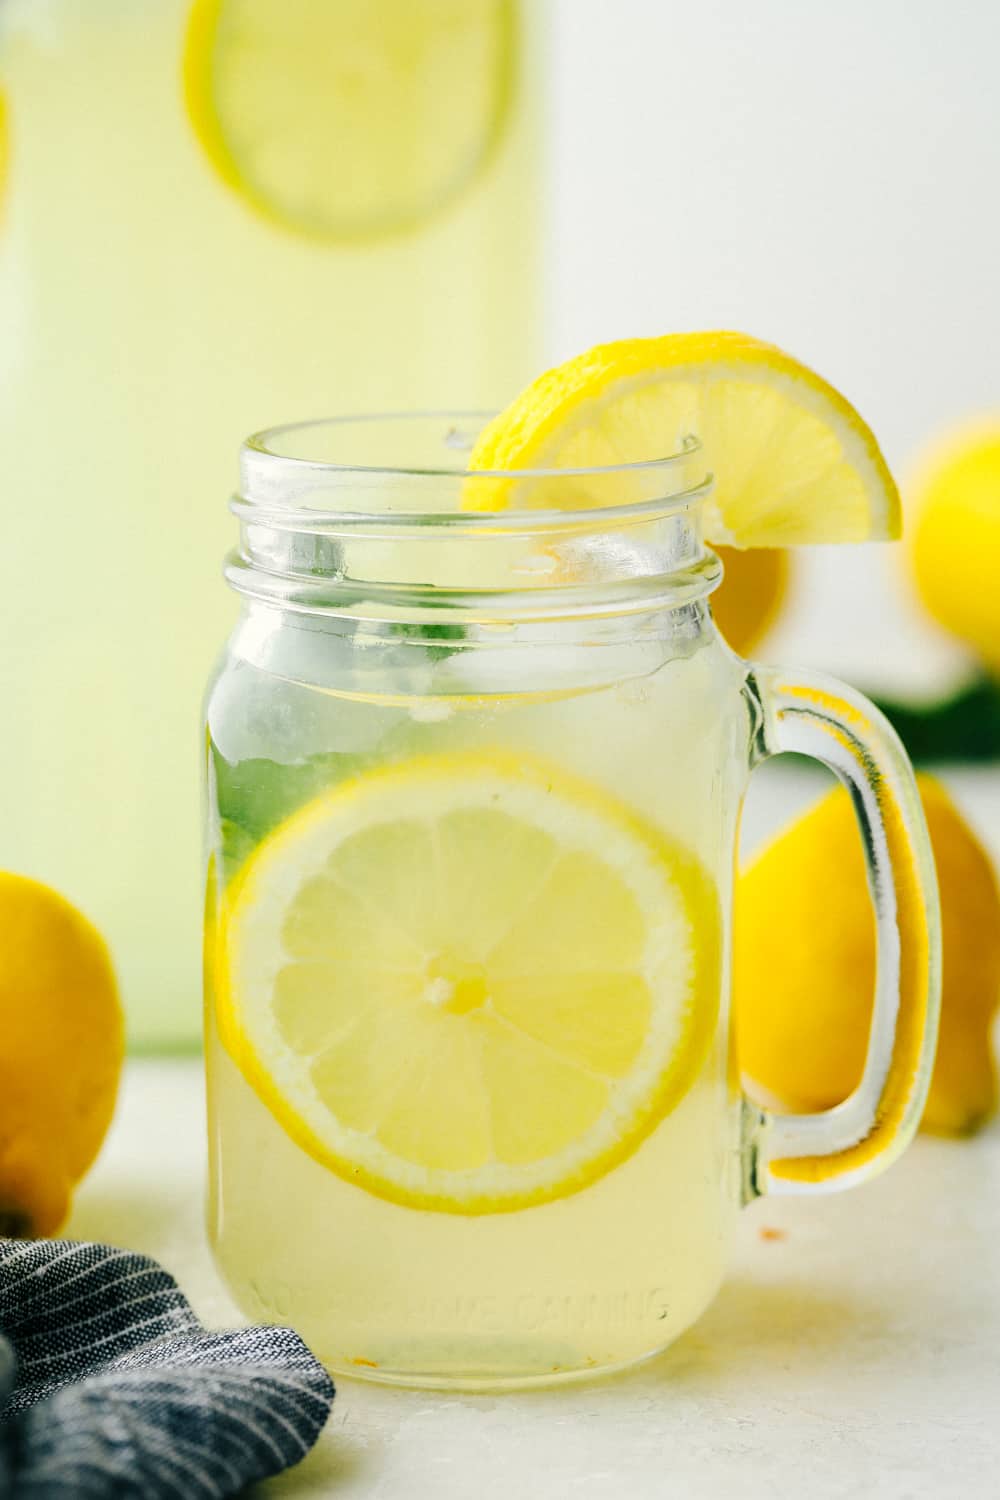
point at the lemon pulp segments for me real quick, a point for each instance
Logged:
(469, 982)
(793, 462)
(348, 119)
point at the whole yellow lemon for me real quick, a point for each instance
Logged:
(751, 594)
(61, 1039)
(955, 546)
(804, 963)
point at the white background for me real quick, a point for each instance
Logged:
(824, 175)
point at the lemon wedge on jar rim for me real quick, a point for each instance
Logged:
(348, 119)
(469, 982)
(792, 460)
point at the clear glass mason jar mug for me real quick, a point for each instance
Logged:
(475, 780)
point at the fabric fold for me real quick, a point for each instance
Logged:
(110, 1385)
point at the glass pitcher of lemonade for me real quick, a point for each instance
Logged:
(474, 786)
(212, 211)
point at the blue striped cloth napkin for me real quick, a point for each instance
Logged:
(111, 1387)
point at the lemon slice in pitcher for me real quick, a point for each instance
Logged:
(348, 119)
(469, 982)
(793, 462)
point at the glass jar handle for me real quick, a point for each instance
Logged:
(855, 1140)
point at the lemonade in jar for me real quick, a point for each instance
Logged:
(475, 759)
(213, 212)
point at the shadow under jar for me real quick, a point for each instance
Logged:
(474, 784)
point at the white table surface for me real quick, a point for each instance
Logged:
(858, 1356)
(854, 1356)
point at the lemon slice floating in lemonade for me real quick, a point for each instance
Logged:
(348, 119)
(793, 461)
(469, 982)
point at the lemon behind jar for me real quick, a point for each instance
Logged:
(955, 548)
(804, 963)
(750, 597)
